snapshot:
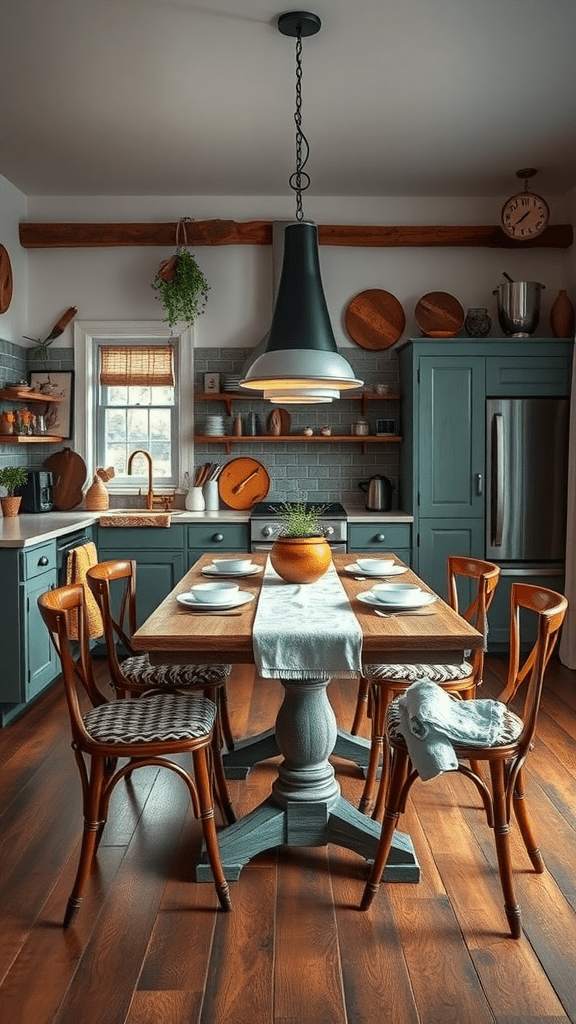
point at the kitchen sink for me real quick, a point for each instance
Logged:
(143, 512)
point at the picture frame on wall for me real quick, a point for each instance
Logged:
(60, 385)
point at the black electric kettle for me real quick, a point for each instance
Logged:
(378, 490)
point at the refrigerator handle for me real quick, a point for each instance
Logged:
(497, 469)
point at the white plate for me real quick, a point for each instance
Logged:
(367, 597)
(396, 570)
(211, 570)
(189, 601)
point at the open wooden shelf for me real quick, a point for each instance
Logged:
(363, 439)
(30, 439)
(229, 397)
(26, 396)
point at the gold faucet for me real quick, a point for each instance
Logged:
(150, 495)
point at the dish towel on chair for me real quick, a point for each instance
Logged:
(77, 564)
(303, 631)
(431, 720)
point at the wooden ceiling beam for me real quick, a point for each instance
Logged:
(259, 232)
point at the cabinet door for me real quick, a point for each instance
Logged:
(451, 436)
(439, 538)
(41, 662)
(157, 573)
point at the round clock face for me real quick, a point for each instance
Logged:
(525, 215)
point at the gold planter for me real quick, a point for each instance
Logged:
(301, 559)
(10, 505)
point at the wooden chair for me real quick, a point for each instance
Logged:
(506, 759)
(143, 731)
(113, 585)
(382, 682)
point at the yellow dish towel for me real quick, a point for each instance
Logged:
(78, 562)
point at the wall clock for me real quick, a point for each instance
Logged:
(525, 215)
(5, 280)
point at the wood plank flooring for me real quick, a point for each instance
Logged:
(150, 947)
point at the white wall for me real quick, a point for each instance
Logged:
(13, 322)
(114, 283)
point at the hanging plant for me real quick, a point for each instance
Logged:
(180, 284)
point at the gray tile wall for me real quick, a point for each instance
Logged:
(323, 472)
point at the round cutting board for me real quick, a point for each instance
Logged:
(69, 471)
(439, 315)
(375, 319)
(6, 282)
(243, 482)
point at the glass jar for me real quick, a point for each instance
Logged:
(361, 427)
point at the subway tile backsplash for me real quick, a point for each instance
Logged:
(322, 472)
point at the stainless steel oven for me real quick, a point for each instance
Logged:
(265, 525)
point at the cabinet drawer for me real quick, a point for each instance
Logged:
(39, 559)
(381, 536)
(510, 377)
(221, 536)
(127, 539)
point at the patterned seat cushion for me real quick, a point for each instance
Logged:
(169, 716)
(412, 673)
(512, 726)
(140, 672)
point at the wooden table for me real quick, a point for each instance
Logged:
(305, 807)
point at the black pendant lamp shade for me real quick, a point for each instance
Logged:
(301, 351)
(301, 362)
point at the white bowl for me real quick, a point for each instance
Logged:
(233, 564)
(214, 593)
(375, 565)
(396, 593)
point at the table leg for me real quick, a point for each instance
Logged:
(306, 807)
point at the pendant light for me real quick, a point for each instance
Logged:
(301, 362)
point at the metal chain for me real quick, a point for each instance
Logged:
(299, 181)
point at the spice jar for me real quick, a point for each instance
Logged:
(361, 427)
(7, 422)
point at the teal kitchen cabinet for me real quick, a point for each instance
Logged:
(214, 538)
(29, 662)
(380, 537)
(445, 384)
(159, 556)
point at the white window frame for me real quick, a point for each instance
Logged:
(87, 335)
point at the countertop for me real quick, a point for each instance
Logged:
(24, 530)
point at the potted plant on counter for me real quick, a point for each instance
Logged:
(300, 553)
(12, 477)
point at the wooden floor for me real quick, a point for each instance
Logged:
(150, 947)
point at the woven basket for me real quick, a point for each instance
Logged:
(97, 497)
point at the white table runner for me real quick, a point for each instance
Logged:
(302, 631)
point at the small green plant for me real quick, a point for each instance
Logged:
(181, 288)
(300, 521)
(12, 477)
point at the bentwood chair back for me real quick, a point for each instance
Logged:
(479, 579)
(113, 584)
(140, 732)
(506, 757)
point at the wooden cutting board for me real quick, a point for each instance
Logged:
(375, 319)
(6, 281)
(439, 315)
(243, 482)
(69, 471)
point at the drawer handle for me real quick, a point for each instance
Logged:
(380, 537)
(43, 560)
(218, 537)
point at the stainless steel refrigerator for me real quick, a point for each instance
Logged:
(527, 460)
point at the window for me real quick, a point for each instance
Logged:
(137, 408)
(113, 419)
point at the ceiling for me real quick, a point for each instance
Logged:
(196, 97)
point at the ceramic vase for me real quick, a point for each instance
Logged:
(562, 316)
(300, 559)
(10, 505)
(477, 323)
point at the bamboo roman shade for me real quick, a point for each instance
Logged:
(137, 365)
